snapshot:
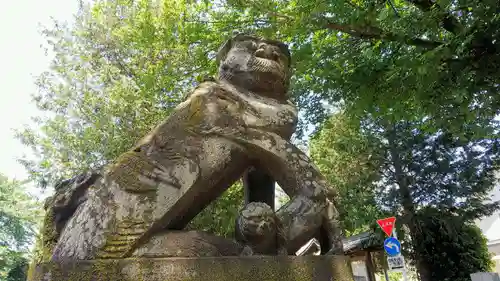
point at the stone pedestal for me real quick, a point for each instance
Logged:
(254, 268)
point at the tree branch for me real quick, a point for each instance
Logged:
(377, 33)
(450, 22)
(265, 10)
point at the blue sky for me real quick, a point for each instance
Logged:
(22, 58)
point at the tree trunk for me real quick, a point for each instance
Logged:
(407, 202)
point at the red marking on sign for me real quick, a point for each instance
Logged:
(387, 225)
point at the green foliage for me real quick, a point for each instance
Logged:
(386, 166)
(395, 276)
(421, 83)
(19, 217)
(453, 248)
(19, 271)
(118, 71)
(125, 64)
(349, 160)
(433, 59)
(220, 216)
(443, 169)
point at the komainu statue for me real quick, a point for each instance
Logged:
(139, 205)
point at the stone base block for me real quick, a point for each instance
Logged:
(253, 268)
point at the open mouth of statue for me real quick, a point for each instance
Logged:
(267, 66)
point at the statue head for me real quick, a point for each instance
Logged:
(256, 64)
(257, 223)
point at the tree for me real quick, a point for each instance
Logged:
(19, 271)
(116, 73)
(450, 173)
(453, 248)
(125, 64)
(349, 160)
(19, 216)
(436, 58)
(411, 171)
(220, 216)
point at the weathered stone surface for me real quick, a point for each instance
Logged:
(224, 126)
(261, 67)
(260, 229)
(309, 207)
(187, 244)
(266, 268)
(140, 194)
(152, 186)
(60, 207)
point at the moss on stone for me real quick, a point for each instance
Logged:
(30, 275)
(267, 268)
(195, 115)
(128, 169)
(49, 235)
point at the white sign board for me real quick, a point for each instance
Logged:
(396, 263)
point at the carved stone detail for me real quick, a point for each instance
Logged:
(224, 126)
(187, 244)
(260, 229)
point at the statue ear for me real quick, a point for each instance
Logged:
(224, 49)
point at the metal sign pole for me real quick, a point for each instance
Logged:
(405, 277)
(392, 246)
